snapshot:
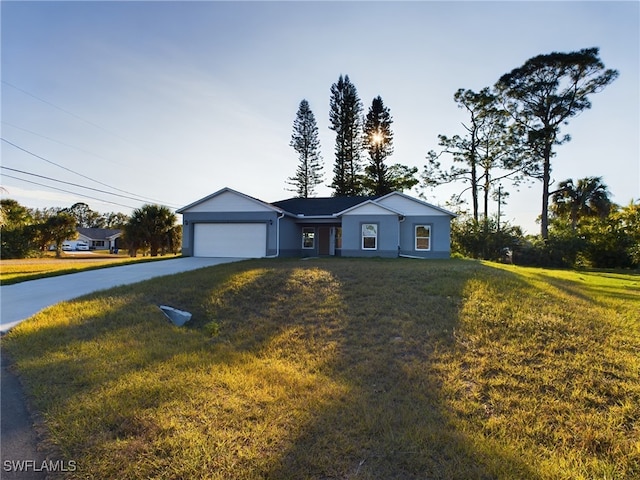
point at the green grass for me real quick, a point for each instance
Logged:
(16, 271)
(344, 368)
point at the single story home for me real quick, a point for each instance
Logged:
(229, 223)
(100, 238)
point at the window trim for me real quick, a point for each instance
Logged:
(416, 237)
(312, 231)
(362, 236)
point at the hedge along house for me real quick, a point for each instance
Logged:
(228, 223)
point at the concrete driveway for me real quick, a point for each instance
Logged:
(22, 300)
(20, 453)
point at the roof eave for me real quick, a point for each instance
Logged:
(373, 202)
(231, 190)
(417, 200)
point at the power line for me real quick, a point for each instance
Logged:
(53, 105)
(67, 191)
(88, 122)
(69, 183)
(79, 174)
(59, 142)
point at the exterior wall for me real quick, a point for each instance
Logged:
(440, 236)
(290, 238)
(270, 218)
(388, 235)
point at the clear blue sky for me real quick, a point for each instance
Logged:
(172, 101)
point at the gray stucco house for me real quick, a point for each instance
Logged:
(229, 223)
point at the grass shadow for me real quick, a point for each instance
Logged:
(331, 368)
(393, 421)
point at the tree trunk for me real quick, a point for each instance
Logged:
(487, 186)
(546, 180)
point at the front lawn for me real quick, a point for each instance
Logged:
(344, 368)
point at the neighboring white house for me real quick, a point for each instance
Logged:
(95, 239)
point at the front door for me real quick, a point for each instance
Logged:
(324, 241)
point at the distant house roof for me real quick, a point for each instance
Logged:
(323, 206)
(99, 233)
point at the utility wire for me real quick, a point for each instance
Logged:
(67, 191)
(52, 105)
(69, 183)
(60, 142)
(77, 173)
(88, 122)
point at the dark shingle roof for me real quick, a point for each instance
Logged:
(98, 233)
(319, 206)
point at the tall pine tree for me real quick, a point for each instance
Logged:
(304, 140)
(345, 118)
(378, 142)
(543, 94)
(380, 178)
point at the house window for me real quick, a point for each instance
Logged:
(369, 236)
(423, 237)
(308, 237)
(338, 237)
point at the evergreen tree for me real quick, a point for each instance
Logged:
(304, 140)
(378, 141)
(58, 229)
(345, 119)
(15, 235)
(379, 178)
(543, 94)
(85, 217)
(489, 152)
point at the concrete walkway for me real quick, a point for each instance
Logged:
(20, 457)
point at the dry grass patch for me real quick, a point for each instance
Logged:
(344, 368)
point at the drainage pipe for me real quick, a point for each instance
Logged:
(277, 237)
(411, 256)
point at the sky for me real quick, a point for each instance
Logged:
(168, 102)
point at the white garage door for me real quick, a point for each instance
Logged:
(244, 240)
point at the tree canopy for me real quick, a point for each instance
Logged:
(380, 178)
(588, 197)
(378, 142)
(150, 226)
(306, 143)
(543, 94)
(345, 111)
(59, 228)
(85, 217)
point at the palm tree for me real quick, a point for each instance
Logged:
(149, 226)
(588, 198)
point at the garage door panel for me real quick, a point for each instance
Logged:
(244, 240)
